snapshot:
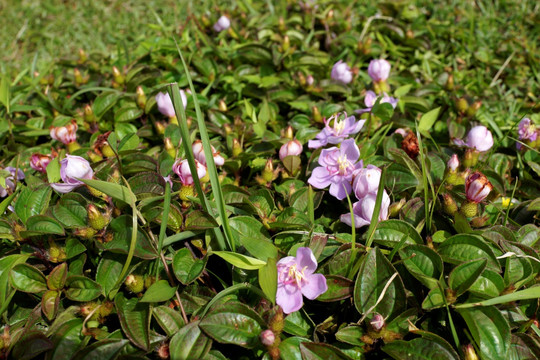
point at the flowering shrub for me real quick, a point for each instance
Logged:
(231, 198)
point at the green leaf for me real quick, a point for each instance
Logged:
(49, 304)
(339, 288)
(427, 121)
(461, 248)
(107, 349)
(290, 348)
(186, 268)
(32, 202)
(135, 320)
(104, 102)
(372, 277)
(351, 335)
(189, 343)
(158, 292)
(6, 264)
(116, 191)
(53, 171)
(423, 263)
(4, 92)
(26, 278)
(239, 260)
(169, 319)
(70, 212)
(253, 236)
(81, 288)
(298, 323)
(434, 299)
(268, 279)
(426, 347)
(66, 339)
(526, 294)
(464, 275)
(41, 224)
(391, 232)
(321, 351)
(57, 277)
(384, 111)
(233, 324)
(199, 220)
(490, 331)
(108, 271)
(127, 113)
(30, 344)
(122, 228)
(489, 284)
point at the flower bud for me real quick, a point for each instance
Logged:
(57, 253)
(118, 77)
(163, 351)
(477, 187)
(479, 221)
(82, 57)
(395, 208)
(160, 127)
(205, 21)
(377, 322)
(95, 218)
(471, 111)
(470, 159)
(470, 354)
(286, 43)
(309, 80)
(267, 337)
(462, 105)
(65, 134)
(223, 23)
(222, 105)
(89, 114)
(410, 145)
(316, 114)
(379, 70)
(149, 281)
(301, 79)
(141, 97)
(450, 82)
(39, 162)
(134, 283)
(288, 133)
(169, 147)
(85, 232)
(341, 72)
(293, 147)
(268, 171)
(453, 163)
(281, 24)
(186, 191)
(77, 76)
(181, 168)
(228, 129)
(236, 148)
(449, 204)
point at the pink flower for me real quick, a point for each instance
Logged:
(223, 23)
(165, 105)
(477, 187)
(341, 72)
(296, 278)
(453, 163)
(527, 130)
(337, 168)
(371, 98)
(72, 168)
(479, 138)
(14, 176)
(379, 70)
(293, 147)
(267, 337)
(39, 162)
(198, 153)
(65, 134)
(181, 168)
(366, 180)
(337, 132)
(363, 210)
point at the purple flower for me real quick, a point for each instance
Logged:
(477, 187)
(39, 162)
(366, 180)
(198, 153)
(293, 147)
(72, 168)
(181, 168)
(165, 105)
(296, 278)
(453, 163)
(527, 130)
(14, 176)
(341, 72)
(65, 134)
(379, 70)
(371, 98)
(337, 168)
(479, 138)
(223, 23)
(337, 132)
(363, 210)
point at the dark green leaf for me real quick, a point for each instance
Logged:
(158, 292)
(135, 320)
(49, 304)
(107, 349)
(26, 278)
(30, 345)
(339, 288)
(461, 248)
(253, 236)
(169, 319)
(81, 288)
(464, 275)
(186, 268)
(57, 277)
(423, 263)
(391, 232)
(32, 202)
(189, 343)
(320, 351)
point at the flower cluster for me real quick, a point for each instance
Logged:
(10, 180)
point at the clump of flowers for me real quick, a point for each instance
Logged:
(336, 129)
(371, 98)
(10, 180)
(296, 279)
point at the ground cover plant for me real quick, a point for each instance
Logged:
(292, 180)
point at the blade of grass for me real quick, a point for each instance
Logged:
(211, 166)
(426, 179)
(164, 221)
(376, 211)
(174, 92)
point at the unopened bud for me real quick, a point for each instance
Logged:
(228, 129)
(470, 354)
(330, 15)
(89, 113)
(449, 204)
(393, 210)
(276, 322)
(410, 145)
(118, 77)
(134, 283)
(281, 24)
(479, 221)
(286, 43)
(470, 159)
(205, 21)
(149, 281)
(222, 105)
(57, 253)
(453, 164)
(471, 111)
(85, 232)
(268, 171)
(79, 80)
(95, 218)
(160, 127)
(316, 114)
(186, 191)
(450, 82)
(267, 337)
(462, 105)
(236, 148)
(288, 133)
(82, 56)
(301, 79)
(163, 351)
(469, 209)
(169, 147)
(141, 97)
(377, 322)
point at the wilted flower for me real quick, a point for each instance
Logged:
(366, 180)
(336, 130)
(337, 168)
(477, 187)
(72, 168)
(181, 168)
(296, 278)
(371, 98)
(453, 163)
(15, 175)
(39, 162)
(479, 138)
(293, 147)
(165, 105)
(198, 153)
(363, 210)
(65, 134)
(379, 70)
(341, 72)
(223, 23)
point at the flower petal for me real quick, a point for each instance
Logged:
(315, 285)
(290, 301)
(64, 188)
(306, 259)
(320, 178)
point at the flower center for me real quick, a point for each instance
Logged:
(343, 164)
(339, 126)
(293, 275)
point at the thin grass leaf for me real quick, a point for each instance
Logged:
(376, 211)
